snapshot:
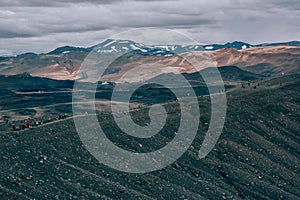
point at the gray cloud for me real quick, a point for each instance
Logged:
(55, 3)
(39, 26)
(290, 4)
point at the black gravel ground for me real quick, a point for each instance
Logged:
(257, 156)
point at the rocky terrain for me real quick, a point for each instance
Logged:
(257, 156)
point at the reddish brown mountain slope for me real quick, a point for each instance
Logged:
(64, 66)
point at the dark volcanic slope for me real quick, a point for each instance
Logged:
(25, 82)
(257, 157)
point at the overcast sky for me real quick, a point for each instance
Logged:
(43, 25)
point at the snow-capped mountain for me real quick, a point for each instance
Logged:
(64, 62)
(235, 45)
(123, 46)
(110, 46)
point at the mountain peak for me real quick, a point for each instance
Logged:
(66, 49)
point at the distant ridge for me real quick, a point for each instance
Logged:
(64, 62)
(66, 49)
(110, 46)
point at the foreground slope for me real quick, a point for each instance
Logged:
(257, 156)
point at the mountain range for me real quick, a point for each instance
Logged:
(64, 63)
(110, 45)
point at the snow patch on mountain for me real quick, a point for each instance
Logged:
(209, 47)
